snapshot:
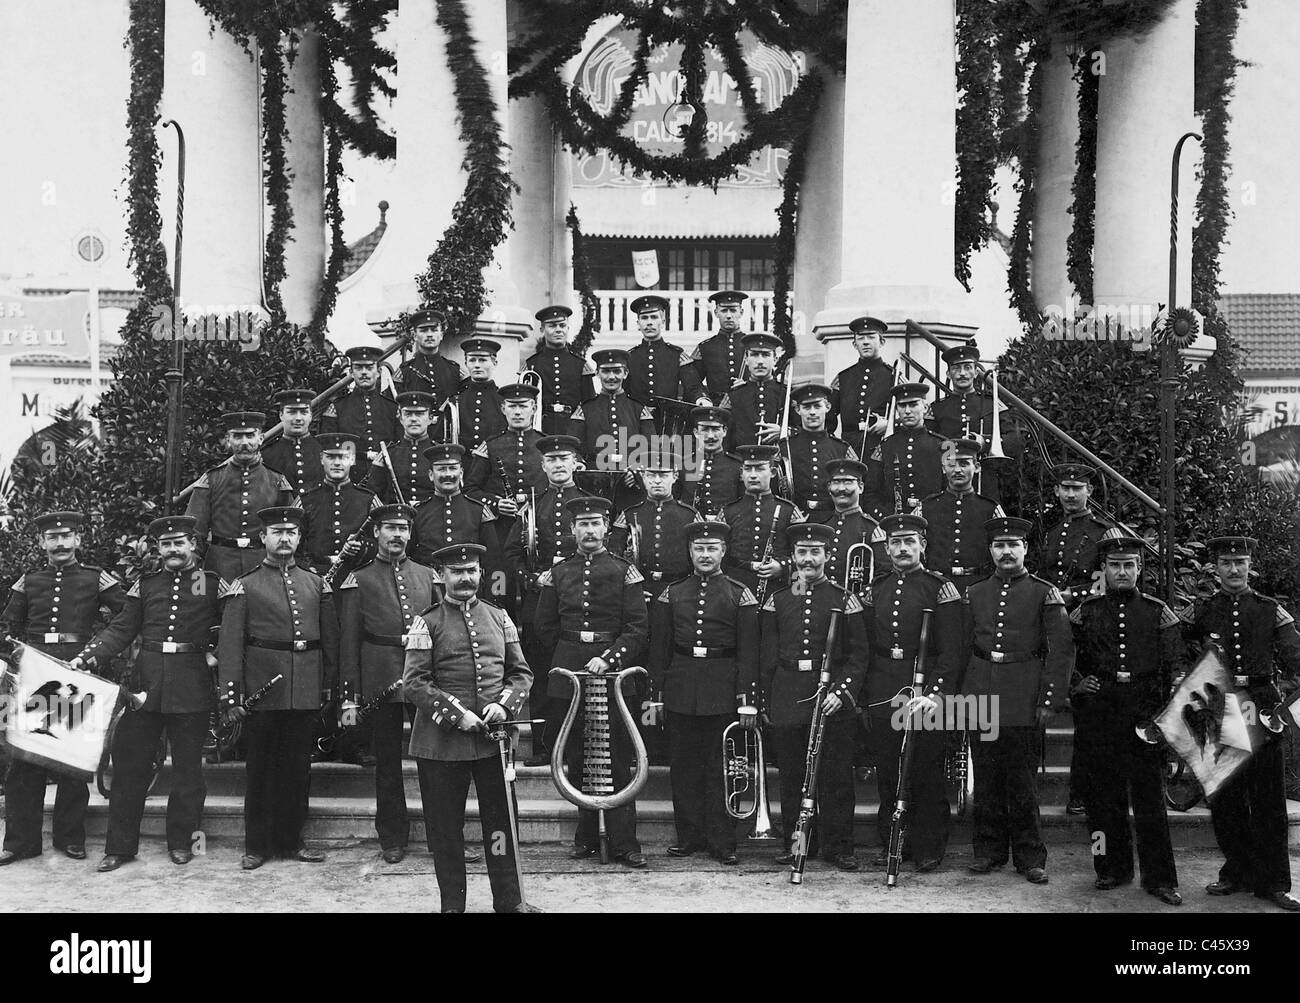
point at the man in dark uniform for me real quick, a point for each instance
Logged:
(968, 414)
(704, 660)
(567, 377)
(553, 544)
(657, 368)
(894, 608)
(54, 610)
(449, 516)
(1022, 653)
(478, 399)
(377, 603)
(591, 613)
(715, 480)
(1253, 633)
(794, 623)
(227, 498)
(296, 454)
(861, 392)
(757, 403)
(606, 425)
(1128, 650)
(849, 525)
(408, 482)
(364, 411)
(955, 543)
(428, 371)
(650, 534)
(809, 448)
(909, 463)
(1069, 561)
(757, 554)
(719, 359)
(335, 508)
(174, 612)
(278, 619)
(465, 672)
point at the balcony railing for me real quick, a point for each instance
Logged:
(690, 313)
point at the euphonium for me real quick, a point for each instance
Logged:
(744, 780)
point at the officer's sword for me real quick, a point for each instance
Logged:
(499, 732)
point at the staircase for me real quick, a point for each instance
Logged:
(343, 806)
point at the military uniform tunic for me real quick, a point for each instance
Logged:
(808, 451)
(597, 424)
(566, 383)
(225, 503)
(369, 415)
(659, 527)
(480, 413)
(442, 520)
(411, 472)
(334, 512)
(714, 485)
(756, 522)
(505, 464)
(431, 373)
(719, 360)
(955, 542)
(913, 456)
(751, 403)
(297, 458)
(1069, 558)
(850, 527)
(661, 369)
(1254, 633)
(861, 389)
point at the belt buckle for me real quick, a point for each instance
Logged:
(699, 652)
(587, 636)
(404, 638)
(169, 648)
(996, 656)
(1241, 680)
(299, 645)
(862, 426)
(558, 408)
(896, 653)
(1123, 677)
(242, 541)
(51, 638)
(805, 665)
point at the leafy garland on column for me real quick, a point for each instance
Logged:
(453, 281)
(582, 282)
(1018, 267)
(353, 43)
(1083, 208)
(977, 135)
(338, 252)
(276, 174)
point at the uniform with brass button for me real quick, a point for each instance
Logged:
(278, 619)
(464, 669)
(296, 454)
(427, 370)
(175, 613)
(719, 359)
(591, 611)
(811, 447)
(849, 525)
(606, 425)
(1256, 636)
(227, 498)
(955, 544)
(336, 508)
(658, 368)
(715, 480)
(908, 463)
(894, 608)
(793, 626)
(53, 609)
(1129, 648)
(448, 516)
(704, 660)
(1021, 655)
(365, 410)
(401, 473)
(478, 397)
(566, 374)
(651, 533)
(377, 603)
(760, 398)
(860, 393)
(758, 521)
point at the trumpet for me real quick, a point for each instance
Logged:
(532, 378)
(859, 568)
(744, 781)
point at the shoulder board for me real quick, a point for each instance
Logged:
(544, 579)
(1095, 595)
(417, 634)
(350, 582)
(311, 489)
(738, 384)
(1076, 615)
(947, 591)
(18, 585)
(134, 591)
(880, 578)
(1188, 613)
(107, 581)
(1167, 618)
(228, 589)
(1282, 617)
(852, 604)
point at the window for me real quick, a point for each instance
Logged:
(685, 264)
(677, 268)
(726, 276)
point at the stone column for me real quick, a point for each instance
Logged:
(1145, 104)
(899, 161)
(210, 88)
(1058, 133)
(305, 153)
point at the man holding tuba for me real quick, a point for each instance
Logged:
(704, 660)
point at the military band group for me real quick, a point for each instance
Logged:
(428, 556)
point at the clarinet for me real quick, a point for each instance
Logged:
(325, 744)
(222, 735)
(763, 583)
(332, 572)
(898, 490)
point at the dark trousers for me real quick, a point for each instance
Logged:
(25, 809)
(620, 822)
(1249, 815)
(134, 745)
(929, 814)
(833, 824)
(549, 709)
(695, 770)
(444, 786)
(279, 778)
(1116, 762)
(1005, 799)
(390, 792)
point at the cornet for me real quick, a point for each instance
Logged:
(744, 781)
(859, 568)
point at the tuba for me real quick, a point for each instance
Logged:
(532, 378)
(744, 781)
(597, 793)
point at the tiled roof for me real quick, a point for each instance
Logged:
(124, 299)
(1267, 326)
(359, 253)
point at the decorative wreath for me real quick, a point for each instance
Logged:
(1181, 325)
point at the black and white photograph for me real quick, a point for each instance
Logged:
(753, 457)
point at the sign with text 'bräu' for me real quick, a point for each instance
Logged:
(57, 324)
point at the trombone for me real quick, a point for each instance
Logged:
(744, 780)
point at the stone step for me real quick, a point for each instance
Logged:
(549, 820)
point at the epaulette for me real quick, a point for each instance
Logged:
(19, 584)
(852, 604)
(417, 635)
(947, 590)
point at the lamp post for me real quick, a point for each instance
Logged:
(1170, 375)
(175, 375)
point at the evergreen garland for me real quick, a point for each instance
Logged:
(453, 281)
(144, 41)
(338, 252)
(1083, 209)
(1018, 267)
(977, 135)
(277, 177)
(582, 282)
(788, 222)
(353, 43)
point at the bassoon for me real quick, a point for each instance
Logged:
(812, 760)
(906, 757)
